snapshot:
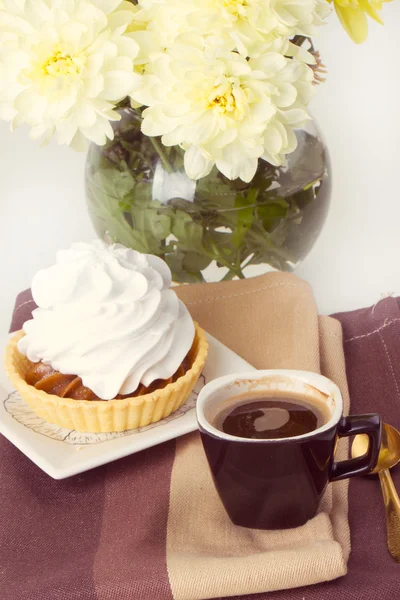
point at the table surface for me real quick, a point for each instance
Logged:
(353, 264)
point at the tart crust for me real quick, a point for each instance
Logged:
(99, 416)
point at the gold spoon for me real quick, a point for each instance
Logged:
(389, 456)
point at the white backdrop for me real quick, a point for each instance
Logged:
(354, 263)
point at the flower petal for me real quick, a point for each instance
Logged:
(354, 22)
(119, 84)
(197, 163)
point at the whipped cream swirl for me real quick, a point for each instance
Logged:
(106, 314)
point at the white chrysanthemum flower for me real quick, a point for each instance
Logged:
(64, 65)
(250, 24)
(163, 21)
(222, 109)
(253, 23)
(301, 17)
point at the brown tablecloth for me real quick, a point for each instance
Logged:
(103, 534)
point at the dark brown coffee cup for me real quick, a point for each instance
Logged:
(279, 483)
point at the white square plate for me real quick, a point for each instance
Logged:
(64, 452)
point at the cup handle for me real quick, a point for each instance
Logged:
(354, 425)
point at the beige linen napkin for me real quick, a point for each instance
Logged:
(272, 322)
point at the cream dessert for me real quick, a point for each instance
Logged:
(108, 329)
(107, 314)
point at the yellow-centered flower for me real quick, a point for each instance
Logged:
(353, 16)
(65, 65)
(223, 109)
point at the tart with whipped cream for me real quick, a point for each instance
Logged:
(110, 346)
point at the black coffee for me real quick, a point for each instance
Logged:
(270, 418)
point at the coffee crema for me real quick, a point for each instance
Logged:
(258, 416)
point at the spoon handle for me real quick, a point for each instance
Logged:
(392, 505)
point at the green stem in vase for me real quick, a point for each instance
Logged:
(230, 275)
(234, 270)
(159, 149)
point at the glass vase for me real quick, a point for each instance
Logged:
(212, 229)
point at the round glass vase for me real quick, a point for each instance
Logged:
(212, 229)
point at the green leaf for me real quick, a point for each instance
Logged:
(188, 233)
(245, 215)
(158, 224)
(114, 183)
(258, 240)
(194, 262)
(180, 273)
(271, 214)
(140, 195)
(153, 226)
(221, 239)
(212, 192)
(303, 198)
(268, 248)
